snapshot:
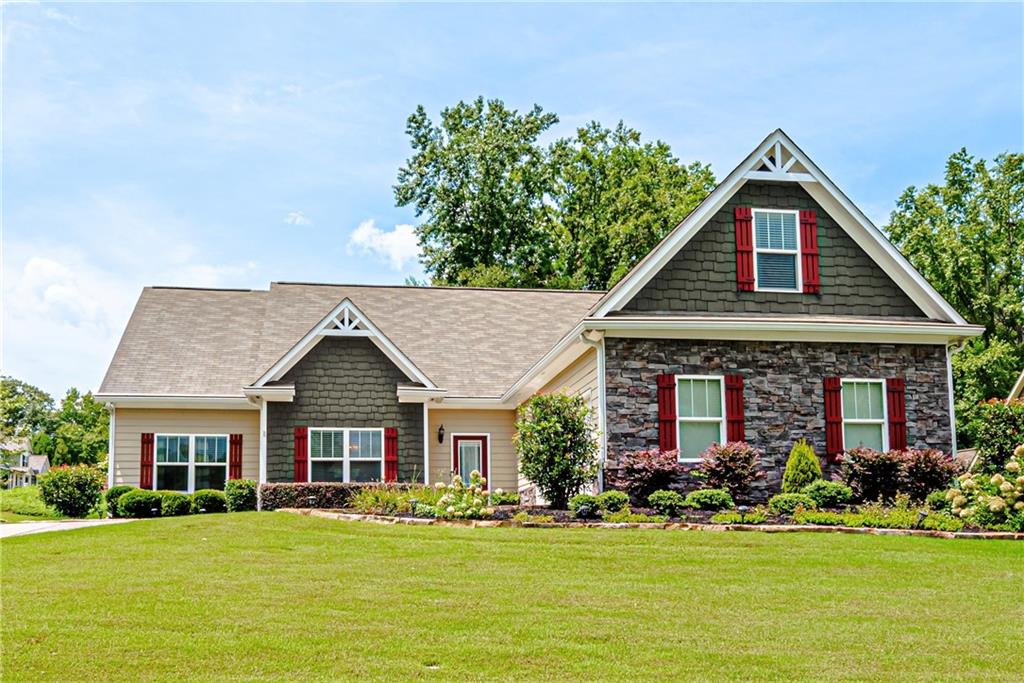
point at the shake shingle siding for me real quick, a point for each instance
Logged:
(344, 382)
(701, 278)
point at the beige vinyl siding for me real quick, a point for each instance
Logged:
(500, 424)
(131, 423)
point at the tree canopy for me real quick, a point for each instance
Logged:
(500, 209)
(966, 237)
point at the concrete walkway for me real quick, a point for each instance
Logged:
(9, 529)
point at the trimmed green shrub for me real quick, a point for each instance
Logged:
(613, 501)
(787, 503)
(112, 496)
(139, 503)
(556, 445)
(669, 503)
(500, 497)
(641, 473)
(709, 499)
(174, 503)
(828, 494)
(731, 466)
(72, 491)
(209, 500)
(627, 516)
(802, 468)
(938, 502)
(240, 495)
(585, 506)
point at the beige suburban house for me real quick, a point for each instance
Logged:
(775, 311)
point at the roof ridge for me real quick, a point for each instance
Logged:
(205, 289)
(441, 287)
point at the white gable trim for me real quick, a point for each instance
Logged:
(1018, 388)
(346, 320)
(822, 190)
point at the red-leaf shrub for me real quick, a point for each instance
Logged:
(643, 472)
(927, 470)
(731, 466)
(872, 474)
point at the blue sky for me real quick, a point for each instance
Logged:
(235, 144)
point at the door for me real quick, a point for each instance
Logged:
(469, 452)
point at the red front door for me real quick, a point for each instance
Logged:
(469, 452)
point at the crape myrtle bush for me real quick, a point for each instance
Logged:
(72, 491)
(1000, 430)
(731, 466)
(641, 473)
(327, 495)
(881, 475)
(113, 494)
(240, 494)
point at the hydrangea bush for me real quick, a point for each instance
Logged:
(459, 501)
(992, 501)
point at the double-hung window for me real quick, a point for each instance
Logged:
(346, 455)
(776, 251)
(864, 415)
(188, 462)
(700, 412)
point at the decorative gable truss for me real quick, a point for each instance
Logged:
(779, 163)
(346, 320)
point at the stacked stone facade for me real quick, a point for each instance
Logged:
(344, 382)
(782, 392)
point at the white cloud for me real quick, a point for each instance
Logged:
(297, 218)
(57, 15)
(397, 247)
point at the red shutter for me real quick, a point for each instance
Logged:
(734, 427)
(744, 249)
(390, 454)
(895, 395)
(809, 251)
(235, 457)
(301, 454)
(146, 462)
(667, 431)
(833, 416)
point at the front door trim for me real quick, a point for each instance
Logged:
(485, 439)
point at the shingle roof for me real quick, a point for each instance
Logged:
(472, 342)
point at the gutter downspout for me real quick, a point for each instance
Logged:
(598, 346)
(951, 350)
(110, 445)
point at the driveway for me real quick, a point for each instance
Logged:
(10, 529)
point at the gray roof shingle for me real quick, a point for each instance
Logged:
(472, 342)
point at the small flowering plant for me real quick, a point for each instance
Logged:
(992, 501)
(462, 501)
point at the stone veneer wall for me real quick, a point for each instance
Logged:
(344, 382)
(782, 391)
(701, 278)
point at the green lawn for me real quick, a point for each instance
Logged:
(24, 505)
(237, 596)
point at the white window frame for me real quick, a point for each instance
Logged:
(681, 420)
(345, 459)
(795, 252)
(885, 409)
(191, 464)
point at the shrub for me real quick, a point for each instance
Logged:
(500, 497)
(666, 502)
(173, 503)
(240, 495)
(937, 502)
(627, 516)
(585, 506)
(641, 473)
(802, 468)
(328, 495)
(942, 522)
(209, 500)
(459, 501)
(1000, 430)
(72, 491)
(993, 502)
(926, 470)
(756, 516)
(709, 499)
(556, 445)
(828, 494)
(139, 503)
(112, 496)
(873, 475)
(731, 466)
(787, 503)
(612, 501)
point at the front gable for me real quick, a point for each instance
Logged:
(702, 276)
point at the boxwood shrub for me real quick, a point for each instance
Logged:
(613, 501)
(829, 494)
(315, 495)
(112, 496)
(240, 495)
(140, 503)
(209, 500)
(667, 502)
(173, 503)
(585, 506)
(787, 503)
(710, 499)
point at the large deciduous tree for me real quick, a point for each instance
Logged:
(967, 237)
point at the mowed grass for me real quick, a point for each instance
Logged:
(23, 504)
(284, 597)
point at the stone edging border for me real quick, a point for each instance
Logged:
(677, 526)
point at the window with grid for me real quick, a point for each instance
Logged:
(776, 250)
(700, 414)
(346, 455)
(864, 414)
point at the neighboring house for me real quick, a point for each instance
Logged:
(26, 466)
(775, 311)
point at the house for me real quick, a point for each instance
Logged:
(775, 311)
(26, 466)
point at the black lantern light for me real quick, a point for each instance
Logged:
(440, 434)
